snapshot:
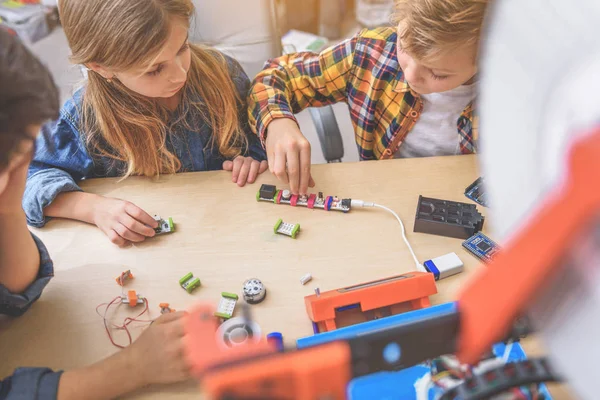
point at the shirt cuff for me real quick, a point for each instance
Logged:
(17, 304)
(41, 190)
(31, 383)
(267, 115)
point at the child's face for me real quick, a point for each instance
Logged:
(21, 156)
(168, 72)
(445, 73)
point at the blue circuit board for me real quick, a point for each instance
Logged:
(481, 247)
(476, 192)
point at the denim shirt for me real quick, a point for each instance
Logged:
(29, 383)
(61, 158)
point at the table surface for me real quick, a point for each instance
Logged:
(224, 236)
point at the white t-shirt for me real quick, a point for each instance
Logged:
(436, 133)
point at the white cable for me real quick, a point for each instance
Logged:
(507, 351)
(360, 203)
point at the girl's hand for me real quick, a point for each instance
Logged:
(123, 222)
(245, 169)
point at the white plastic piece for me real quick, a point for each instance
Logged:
(238, 331)
(286, 228)
(226, 307)
(305, 279)
(361, 203)
(444, 266)
(286, 194)
(254, 291)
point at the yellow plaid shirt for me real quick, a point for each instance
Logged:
(363, 72)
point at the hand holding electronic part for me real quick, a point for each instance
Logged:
(123, 222)
(244, 169)
(288, 154)
(157, 356)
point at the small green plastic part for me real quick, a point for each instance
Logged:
(295, 231)
(193, 285)
(186, 278)
(277, 225)
(221, 315)
(171, 224)
(258, 195)
(229, 295)
(276, 196)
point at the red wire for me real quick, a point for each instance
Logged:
(126, 321)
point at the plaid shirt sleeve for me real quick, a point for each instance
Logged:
(291, 83)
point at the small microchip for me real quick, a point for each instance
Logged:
(481, 247)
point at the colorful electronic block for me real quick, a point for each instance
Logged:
(189, 283)
(284, 228)
(266, 193)
(124, 277)
(132, 298)
(164, 226)
(226, 305)
(165, 309)
(271, 194)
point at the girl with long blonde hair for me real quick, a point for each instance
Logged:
(153, 104)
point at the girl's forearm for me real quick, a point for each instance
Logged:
(73, 205)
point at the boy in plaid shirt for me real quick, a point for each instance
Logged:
(410, 89)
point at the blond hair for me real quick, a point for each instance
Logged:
(430, 28)
(123, 125)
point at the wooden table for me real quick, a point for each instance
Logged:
(224, 237)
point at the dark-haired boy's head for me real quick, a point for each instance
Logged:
(28, 98)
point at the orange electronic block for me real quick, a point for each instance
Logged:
(233, 373)
(396, 294)
(132, 297)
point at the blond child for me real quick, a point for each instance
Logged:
(153, 104)
(410, 89)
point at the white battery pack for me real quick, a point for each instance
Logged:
(444, 266)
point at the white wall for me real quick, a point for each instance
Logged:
(241, 29)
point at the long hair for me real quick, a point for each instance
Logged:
(123, 125)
